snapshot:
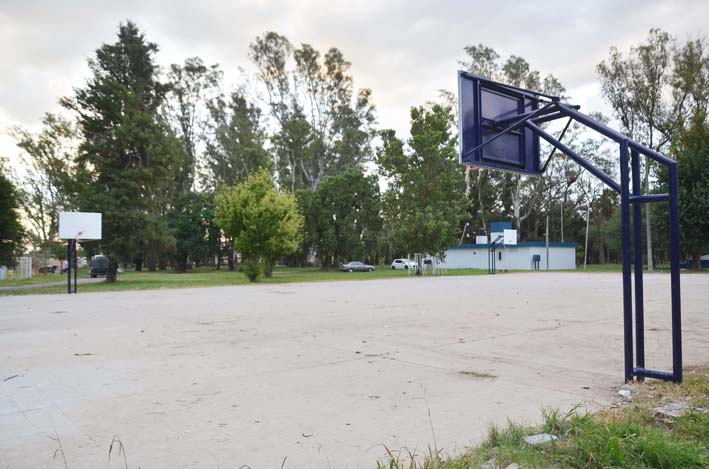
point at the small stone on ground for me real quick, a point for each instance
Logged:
(540, 439)
(672, 409)
(489, 464)
(625, 393)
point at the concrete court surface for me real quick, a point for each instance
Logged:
(318, 374)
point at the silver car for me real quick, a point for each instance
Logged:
(356, 266)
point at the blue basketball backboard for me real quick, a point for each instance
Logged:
(484, 104)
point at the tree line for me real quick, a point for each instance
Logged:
(291, 166)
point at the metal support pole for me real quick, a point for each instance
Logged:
(585, 246)
(68, 267)
(627, 286)
(674, 274)
(76, 266)
(638, 253)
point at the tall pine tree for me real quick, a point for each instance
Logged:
(126, 160)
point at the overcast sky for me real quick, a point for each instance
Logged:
(403, 50)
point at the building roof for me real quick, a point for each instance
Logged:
(524, 244)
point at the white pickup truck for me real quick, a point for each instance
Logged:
(401, 264)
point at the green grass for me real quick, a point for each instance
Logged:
(660, 268)
(629, 436)
(206, 277)
(42, 278)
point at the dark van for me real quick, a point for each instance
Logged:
(99, 266)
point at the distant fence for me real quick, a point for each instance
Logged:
(23, 269)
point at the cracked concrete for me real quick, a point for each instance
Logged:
(320, 374)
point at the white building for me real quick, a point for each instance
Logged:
(562, 256)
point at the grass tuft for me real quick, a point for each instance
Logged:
(632, 435)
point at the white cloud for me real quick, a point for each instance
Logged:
(404, 50)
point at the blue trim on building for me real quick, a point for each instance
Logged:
(525, 244)
(500, 226)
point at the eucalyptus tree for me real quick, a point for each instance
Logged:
(237, 138)
(193, 85)
(46, 187)
(634, 85)
(322, 125)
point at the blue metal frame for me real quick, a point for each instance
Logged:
(630, 200)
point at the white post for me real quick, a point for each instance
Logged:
(547, 240)
(463, 235)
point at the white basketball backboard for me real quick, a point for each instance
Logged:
(509, 238)
(79, 225)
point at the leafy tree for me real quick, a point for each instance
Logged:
(192, 86)
(692, 149)
(425, 201)
(214, 233)
(155, 244)
(46, 189)
(342, 218)
(11, 232)
(235, 149)
(264, 222)
(693, 168)
(128, 154)
(188, 224)
(324, 127)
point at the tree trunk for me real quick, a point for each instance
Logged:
(180, 264)
(139, 265)
(601, 248)
(480, 199)
(696, 260)
(563, 201)
(230, 250)
(648, 220)
(516, 202)
(112, 274)
(151, 266)
(537, 221)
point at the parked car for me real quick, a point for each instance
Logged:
(99, 266)
(400, 264)
(356, 266)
